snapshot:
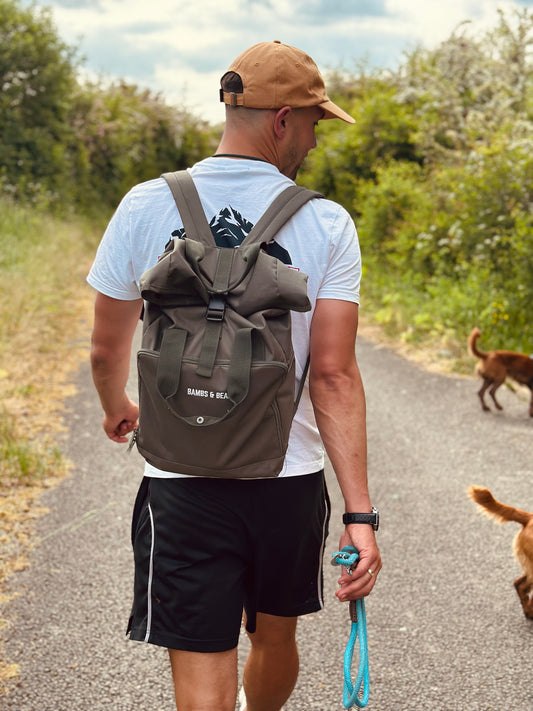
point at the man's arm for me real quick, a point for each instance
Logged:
(114, 325)
(338, 400)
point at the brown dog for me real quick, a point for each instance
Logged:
(495, 366)
(523, 542)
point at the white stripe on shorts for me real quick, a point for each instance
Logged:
(319, 579)
(150, 578)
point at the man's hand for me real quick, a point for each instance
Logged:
(363, 577)
(117, 427)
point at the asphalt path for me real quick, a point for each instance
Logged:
(445, 627)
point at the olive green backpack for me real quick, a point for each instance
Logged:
(216, 365)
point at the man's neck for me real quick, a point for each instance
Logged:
(238, 156)
(239, 143)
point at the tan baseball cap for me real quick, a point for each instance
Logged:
(274, 75)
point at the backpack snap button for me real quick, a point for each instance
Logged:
(200, 420)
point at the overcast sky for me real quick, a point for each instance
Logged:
(182, 47)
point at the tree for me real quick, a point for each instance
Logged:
(37, 81)
(124, 135)
(467, 88)
(346, 156)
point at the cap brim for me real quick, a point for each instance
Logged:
(333, 111)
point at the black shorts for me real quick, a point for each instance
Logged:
(205, 549)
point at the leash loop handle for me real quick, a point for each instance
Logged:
(348, 557)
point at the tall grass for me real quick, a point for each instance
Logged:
(44, 322)
(23, 461)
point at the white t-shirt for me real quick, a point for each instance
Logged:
(320, 240)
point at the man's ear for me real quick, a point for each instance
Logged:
(280, 121)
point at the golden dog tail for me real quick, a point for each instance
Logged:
(472, 348)
(495, 509)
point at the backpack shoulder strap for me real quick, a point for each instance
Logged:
(282, 208)
(189, 206)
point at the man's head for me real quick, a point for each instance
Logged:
(271, 75)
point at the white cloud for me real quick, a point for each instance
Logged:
(181, 48)
(433, 22)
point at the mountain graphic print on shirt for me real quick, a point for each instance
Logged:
(229, 228)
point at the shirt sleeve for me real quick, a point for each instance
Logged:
(343, 275)
(112, 272)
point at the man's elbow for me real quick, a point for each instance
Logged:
(101, 356)
(332, 379)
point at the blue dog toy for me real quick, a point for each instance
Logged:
(348, 557)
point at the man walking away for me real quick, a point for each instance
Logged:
(209, 550)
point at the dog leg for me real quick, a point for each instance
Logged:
(481, 395)
(525, 593)
(528, 608)
(531, 404)
(492, 393)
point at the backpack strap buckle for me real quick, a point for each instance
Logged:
(213, 328)
(216, 308)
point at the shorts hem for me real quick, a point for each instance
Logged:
(184, 645)
(300, 611)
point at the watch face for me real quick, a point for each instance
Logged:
(376, 518)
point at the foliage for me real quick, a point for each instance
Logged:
(124, 135)
(467, 88)
(437, 172)
(37, 80)
(43, 260)
(383, 133)
(67, 143)
(23, 460)
(43, 331)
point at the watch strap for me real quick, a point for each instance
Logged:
(359, 518)
(371, 518)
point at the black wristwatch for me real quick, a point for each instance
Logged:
(371, 518)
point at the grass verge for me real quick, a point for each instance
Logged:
(44, 335)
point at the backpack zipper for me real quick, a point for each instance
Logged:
(133, 439)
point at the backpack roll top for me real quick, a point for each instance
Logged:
(184, 272)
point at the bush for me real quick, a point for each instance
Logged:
(37, 77)
(437, 173)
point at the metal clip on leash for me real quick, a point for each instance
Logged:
(348, 557)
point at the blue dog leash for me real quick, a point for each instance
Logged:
(348, 557)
